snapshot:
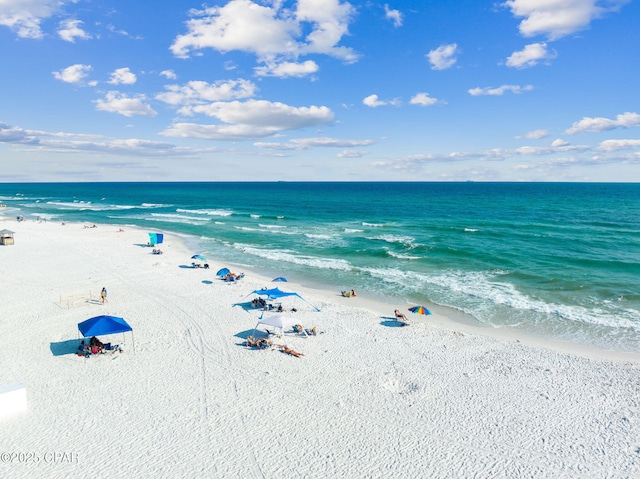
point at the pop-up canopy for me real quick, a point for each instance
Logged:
(104, 325)
(276, 293)
(278, 321)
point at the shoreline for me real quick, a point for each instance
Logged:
(365, 399)
(442, 317)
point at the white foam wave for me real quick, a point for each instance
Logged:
(206, 212)
(471, 230)
(271, 226)
(319, 236)
(174, 218)
(393, 254)
(288, 257)
(88, 205)
(255, 216)
(406, 240)
(351, 230)
(373, 225)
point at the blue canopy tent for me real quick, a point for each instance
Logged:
(155, 238)
(276, 293)
(104, 325)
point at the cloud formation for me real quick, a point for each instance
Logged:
(200, 92)
(394, 15)
(530, 56)
(24, 16)
(122, 76)
(374, 101)
(250, 119)
(625, 120)
(73, 74)
(443, 57)
(116, 102)
(70, 30)
(423, 99)
(558, 18)
(501, 90)
(287, 69)
(272, 33)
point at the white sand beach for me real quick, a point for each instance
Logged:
(367, 400)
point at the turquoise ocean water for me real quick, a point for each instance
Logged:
(553, 260)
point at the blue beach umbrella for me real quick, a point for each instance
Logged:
(420, 310)
(199, 257)
(279, 278)
(223, 272)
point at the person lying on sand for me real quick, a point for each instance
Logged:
(261, 343)
(288, 350)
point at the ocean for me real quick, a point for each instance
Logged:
(553, 260)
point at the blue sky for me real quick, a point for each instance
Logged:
(320, 90)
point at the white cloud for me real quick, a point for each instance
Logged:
(536, 134)
(168, 74)
(501, 90)
(24, 16)
(613, 145)
(352, 153)
(559, 142)
(423, 99)
(250, 119)
(73, 74)
(115, 102)
(269, 32)
(122, 76)
(558, 18)
(287, 69)
(373, 101)
(443, 57)
(530, 56)
(69, 142)
(70, 30)
(199, 92)
(306, 143)
(394, 15)
(625, 120)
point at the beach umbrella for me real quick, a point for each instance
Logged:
(420, 310)
(223, 272)
(199, 257)
(279, 278)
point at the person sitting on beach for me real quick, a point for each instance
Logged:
(400, 316)
(297, 328)
(353, 293)
(312, 332)
(83, 349)
(288, 350)
(346, 294)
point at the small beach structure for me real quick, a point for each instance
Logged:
(155, 238)
(281, 322)
(105, 325)
(6, 237)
